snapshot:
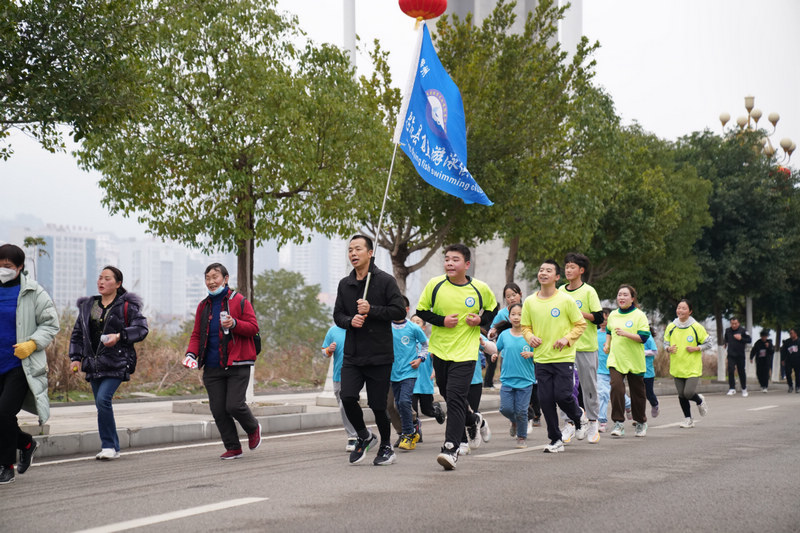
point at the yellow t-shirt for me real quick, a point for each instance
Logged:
(627, 355)
(462, 342)
(684, 364)
(588, 302)
(550, 320)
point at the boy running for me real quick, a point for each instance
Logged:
(552, 324)
(456, 306)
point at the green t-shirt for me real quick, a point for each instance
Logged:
(550, 320)
(683, 364)
(588, 302)
(627, 355)
(462, 342)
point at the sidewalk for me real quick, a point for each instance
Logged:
(72, 429)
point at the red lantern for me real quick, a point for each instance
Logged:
(423, 9)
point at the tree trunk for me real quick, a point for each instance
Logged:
(718, 322)
(511, 260)
(244, 268)
(399, 268)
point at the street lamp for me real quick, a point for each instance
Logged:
(750, 122)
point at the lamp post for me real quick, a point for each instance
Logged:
(750, 122)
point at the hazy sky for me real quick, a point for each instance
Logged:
(671, 65)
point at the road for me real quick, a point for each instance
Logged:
(738, 470)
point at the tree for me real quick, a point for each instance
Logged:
(239, 135)
(39, 246)
(746, 250)
(64, 62)
(288, 311)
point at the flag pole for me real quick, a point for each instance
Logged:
(380, 218)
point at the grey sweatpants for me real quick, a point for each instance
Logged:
(586, 363)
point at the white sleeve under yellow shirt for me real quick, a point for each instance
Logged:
(550, 320)
(462, 342)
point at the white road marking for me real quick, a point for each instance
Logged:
(763, 408)
(509, 452)
(166, 517)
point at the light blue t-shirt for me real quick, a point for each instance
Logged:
(336, 334)
(500, 316)
(424, 383)
(516, 372)
(650, 372)
(410, 343)
(602, 356)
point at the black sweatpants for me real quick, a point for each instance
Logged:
(377, 380)
(227, 388)
(555, 382)
(454, 379)
(13, 389)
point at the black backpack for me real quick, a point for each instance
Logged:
(257, 336)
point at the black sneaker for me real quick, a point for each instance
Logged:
(6, 474)
(449, 456)
(438, 413)
(362, 447)
(26, 458)
(417, 432)
(385, 456)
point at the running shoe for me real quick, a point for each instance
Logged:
(463, 449)
(362, 447)
(602, 426)
(26, 457)
(254, 438)
(522, 442)
(406, 443)
(474, 434)
(654, 411)
(567, 433)
(619, 430)
(438, 413)
(688, 423)
(385, 456)
(593, 434)
(703, 405)
(6, 474)
(744, 393)
(554, 447)
(229, 454)
(486, 433)
(581, 432)
(448, 456)
(351, 445)
(641, 429)
(537, 421)
(628, 414)
(764, 390)
(107, 454)
(731, 392)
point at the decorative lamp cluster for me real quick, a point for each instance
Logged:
(755, 115)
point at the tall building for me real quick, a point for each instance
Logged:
(67, 267)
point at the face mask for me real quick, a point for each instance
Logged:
(7, 274)
(218, 291)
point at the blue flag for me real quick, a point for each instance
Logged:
(431, 128)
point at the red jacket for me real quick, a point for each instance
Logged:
(235, 348)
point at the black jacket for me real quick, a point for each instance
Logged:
(767, 346)
(371, 344)
(736, 348)
(790, 349)
(118, 361)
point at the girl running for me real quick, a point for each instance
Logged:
(517, 375)
(685, 339)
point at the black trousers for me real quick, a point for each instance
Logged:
(555, 383)
(535, 408)
(376, 378)
(227, 388)
(737, 363)
(763, 368)
(488, 377)
(13, 389)
(793, 364)
(454, 379)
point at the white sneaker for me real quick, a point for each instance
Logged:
(351, 445)
(688, 423)
(474, 434)
(619, 430)
(602, 427)
(641, 429)
(580, 434)
(107, 454)
(567, 433)
(463, 449)
(447, 458)
(530, 426)
(702, 406)
(593, 432)
(731, 392)
(744, 393)
(554, 447)
(486, 433)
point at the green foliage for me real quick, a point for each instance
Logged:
(64, 62)
(239, 134)
(289, 313)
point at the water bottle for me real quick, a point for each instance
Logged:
(222, 316)
(105, 338)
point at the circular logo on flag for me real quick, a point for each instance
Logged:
(580, 304)
(689, 339)
(555, 312)
(436, 112)
(469, 302)
(629, 323)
